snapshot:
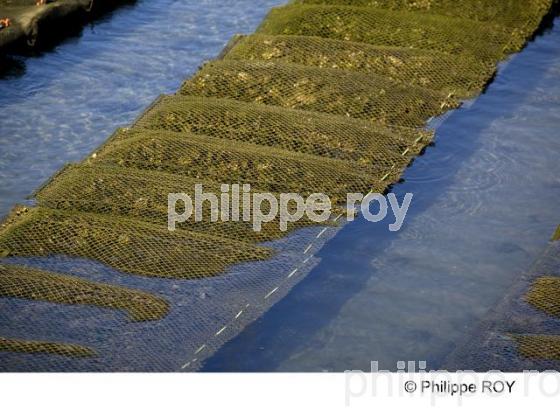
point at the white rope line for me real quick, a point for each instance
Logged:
(292, 273)
(271, 292)
(321, 233)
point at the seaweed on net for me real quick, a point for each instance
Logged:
(540, 347)
(353, 94)
(394, 28)
(300, 131)
(35, 284)
(143, 194)
(264, 168)
(556, 236)
(44, 347)
(523, 16)
(125, 244)
(460, 75)
(544, 295)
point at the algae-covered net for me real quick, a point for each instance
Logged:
(339, 92)
(394, 28)
(329, 97)
(306, 132)
(460, 75)
(523, 16)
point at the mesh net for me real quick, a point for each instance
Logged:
(352, 94)
(124, 244)
(556, 235)
(545, 295)
(460, 75)
(35, 346)
(523, 331)
(393, 28)
(325, 98)
(35, 284)
(264, 168)
(293, 130)
(524, 16)
(540, 347)
(143, 194)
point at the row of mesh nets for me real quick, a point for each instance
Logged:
(523, 332)
(300, 131)
(459, 75)
(394, 28)
(524, 16)
(353, 94)
(264, 168)
(137, 193)
(328, 97)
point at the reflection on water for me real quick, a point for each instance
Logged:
(71, 98)
(486, 201)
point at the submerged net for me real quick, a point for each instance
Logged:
(545, 295)
(556, 236)
(326, 98)
(125, 244)
(460, 75)
(35, 284)
(523, 331)
(538, 347)
(35, 346)
(357, 95)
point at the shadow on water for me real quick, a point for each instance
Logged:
(11, 67)
(318, 299)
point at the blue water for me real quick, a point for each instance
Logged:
(485, 201)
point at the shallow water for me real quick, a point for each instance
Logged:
(486, 201)
(485, 196)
